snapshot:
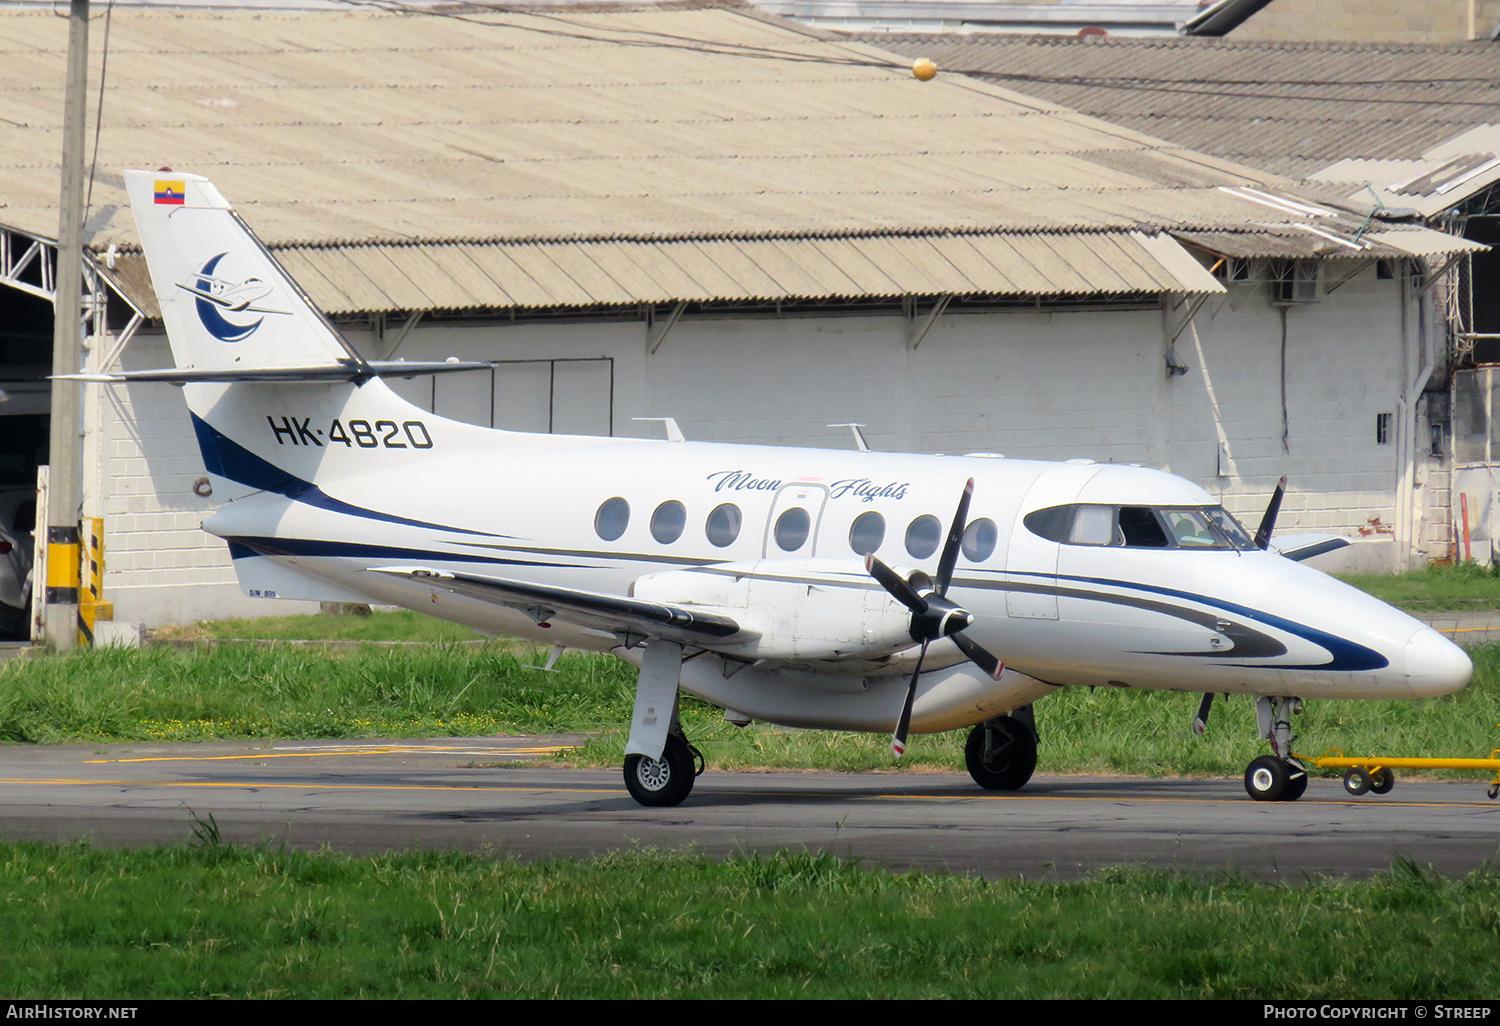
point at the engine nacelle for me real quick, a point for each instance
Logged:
(813, 609)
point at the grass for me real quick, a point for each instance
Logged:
(1459, 586)
(250, 691)
(216, 921)
(446, 685)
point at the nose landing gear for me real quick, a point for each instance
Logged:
(1278, 777)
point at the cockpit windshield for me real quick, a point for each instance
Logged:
(1150, 527)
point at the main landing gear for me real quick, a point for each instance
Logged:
(1278, 777)
(1001, 753)
(665, 781)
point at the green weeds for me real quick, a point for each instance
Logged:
(1459, 586)
(242, 691)
(78, 922)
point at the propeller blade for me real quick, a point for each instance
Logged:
(1268, 522)
(1200, 722)
(955, 539)
(897, 585)
(981, 658)
(898, 739)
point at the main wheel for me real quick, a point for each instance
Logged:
(1266, 779)
(665, 781)
(1001, 754)
(1382, 780)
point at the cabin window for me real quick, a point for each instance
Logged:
(723, 525)
(1141, 528)
(1094, 525)
(791, 529)
(1207, 527)
(612, 519)
(1052, 523)
(867, 533)
(1191, 529)
(923, 535)
(668, 521)
(979, 540)
(1233, 531)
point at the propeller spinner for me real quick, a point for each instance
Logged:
(933, 616)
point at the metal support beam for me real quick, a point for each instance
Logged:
(920, 332)
(656, 335)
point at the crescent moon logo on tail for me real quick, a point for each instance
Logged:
(213, 295)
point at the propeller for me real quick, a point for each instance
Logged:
(933, 616)
(1268, 522)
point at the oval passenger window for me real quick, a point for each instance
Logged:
(668, 521)
(612, 519)
(923, 535)
(791, 529)
(723, 525)
(979, 540)
(867, 533)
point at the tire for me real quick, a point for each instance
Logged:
(1356, 781)
(1266, 779)
(1382, 780)
(1296, 784)
(1012, 756)
(660, 783)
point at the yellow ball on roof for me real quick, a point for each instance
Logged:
(924, 69)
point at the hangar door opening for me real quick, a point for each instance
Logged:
(562, 397)
(25, 416)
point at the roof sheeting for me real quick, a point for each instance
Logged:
(1290, 108)
(500, 158)
(535, 275)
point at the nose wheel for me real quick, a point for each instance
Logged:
(1279, 777)
(1272, 779)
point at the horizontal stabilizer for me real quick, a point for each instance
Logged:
(345, 370)
(615, 614)
(1306, 546)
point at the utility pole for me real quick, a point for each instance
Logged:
(65, 492)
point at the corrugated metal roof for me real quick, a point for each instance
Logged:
(429, 161)
(536, 275)
(1290, 108)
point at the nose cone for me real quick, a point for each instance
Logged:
(1435, 665)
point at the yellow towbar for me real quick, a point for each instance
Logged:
(1374, 774)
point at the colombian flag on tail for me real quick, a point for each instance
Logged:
(170, 192)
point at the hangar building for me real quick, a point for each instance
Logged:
(696, 211)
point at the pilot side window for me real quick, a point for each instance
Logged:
(1141, 528)
(1094, 525)
(1146, 527)
(867, 532)
(723, 525)
(791, 529)
(612, 519)
(923, 535)
(668, 521)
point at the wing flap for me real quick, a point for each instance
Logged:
(616, 614)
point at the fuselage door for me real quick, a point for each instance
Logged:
(1031, 565)
(796, 515)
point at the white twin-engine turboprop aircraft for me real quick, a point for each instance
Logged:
(804, 587)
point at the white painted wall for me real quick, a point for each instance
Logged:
(1022, 383)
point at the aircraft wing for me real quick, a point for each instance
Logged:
(1306, 546)
(615, 614)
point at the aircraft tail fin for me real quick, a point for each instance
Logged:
(227, 304)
